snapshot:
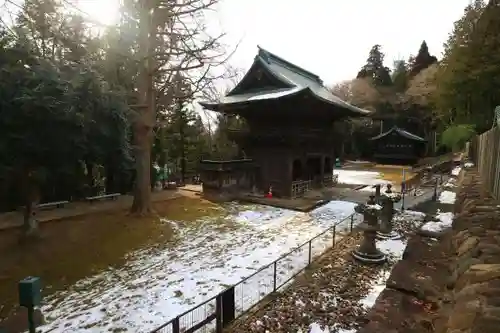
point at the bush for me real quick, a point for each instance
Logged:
(455, 136)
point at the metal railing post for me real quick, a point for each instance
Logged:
(377, 193)
(434, 195)
(218, 314)
(228, 307)
(402, 196)
(333, 244)
(176, 326)
(274, 275)
(310, 251)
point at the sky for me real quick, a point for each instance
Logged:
(330, 38)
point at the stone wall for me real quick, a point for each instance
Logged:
(450, 284)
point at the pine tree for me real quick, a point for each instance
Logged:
(422, 60)
(375, 69)
(400, 76)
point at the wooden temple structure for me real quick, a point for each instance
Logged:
(288, 137)
(398, 145)
(411, 119)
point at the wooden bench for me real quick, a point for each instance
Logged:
(111, 196)
(51, 205)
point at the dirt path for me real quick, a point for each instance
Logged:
(14, 219)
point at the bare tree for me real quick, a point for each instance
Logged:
(359, 92)
(343, 90)
(422, 87)
(173, 40)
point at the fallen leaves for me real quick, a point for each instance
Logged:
(328, 294)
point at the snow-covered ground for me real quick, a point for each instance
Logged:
(356, 177)
(444, 221)
(158, 284)
(456, 171)
(447, 197)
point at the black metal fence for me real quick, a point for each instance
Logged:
(221, 310)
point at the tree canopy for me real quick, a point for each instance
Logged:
(70, 98)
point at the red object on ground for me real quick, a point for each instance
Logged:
(269, 193)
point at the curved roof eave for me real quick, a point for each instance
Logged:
(342, 104)
(264, 96)
(401, 132)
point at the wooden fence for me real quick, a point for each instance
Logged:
(484, 150)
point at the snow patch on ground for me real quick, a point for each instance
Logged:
(445, 220)
(375, 290)
(394, 249)
(157, 284)
(456, 171)
(355, 177)
(316, 328)
(371, 188)
(447, 197)
(412, 213)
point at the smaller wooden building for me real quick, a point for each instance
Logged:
(398, 146)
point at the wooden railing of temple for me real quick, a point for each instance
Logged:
(300, 187)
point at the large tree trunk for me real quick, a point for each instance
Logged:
(182, 144)
(145, 120)
(90, 180)
(31, 200)
(142, 191)
(111, 178)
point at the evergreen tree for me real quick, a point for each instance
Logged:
(375, 69)
(400, 76)
(469, 78)
(422, 60)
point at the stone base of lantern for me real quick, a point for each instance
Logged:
(388, 235)
(377, 257)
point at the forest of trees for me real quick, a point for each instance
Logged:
(455, 95)
(87, 108)
(73, 97)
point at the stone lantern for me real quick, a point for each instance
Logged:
(388, 198)
(367, 252)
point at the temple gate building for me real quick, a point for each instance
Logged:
(288, 139)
